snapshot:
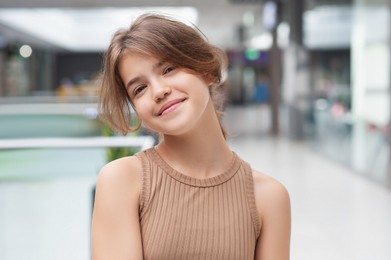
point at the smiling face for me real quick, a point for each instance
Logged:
(167, 40)
(167, 99)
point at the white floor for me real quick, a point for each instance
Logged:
(336, 214)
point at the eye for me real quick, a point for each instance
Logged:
(137, 90)
(168, 69)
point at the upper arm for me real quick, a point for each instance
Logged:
(274, 209)
(115, 231)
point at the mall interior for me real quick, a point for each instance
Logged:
(307, 102)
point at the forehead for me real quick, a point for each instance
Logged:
(132, 55)
(145, 53)
(132, 61)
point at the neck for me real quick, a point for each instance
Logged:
(202, 153)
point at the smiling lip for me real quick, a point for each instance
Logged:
(171, 104)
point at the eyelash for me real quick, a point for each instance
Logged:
(168, 69)
(138, 90)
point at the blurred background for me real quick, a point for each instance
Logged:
(308, 102)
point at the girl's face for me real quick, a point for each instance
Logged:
(168, 100)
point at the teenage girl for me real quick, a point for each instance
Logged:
(190, 196)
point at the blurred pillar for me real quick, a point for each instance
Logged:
(272, 11)
(296, 71)
(275, 83)
(389, 126)
(242, 36)
(2, 83)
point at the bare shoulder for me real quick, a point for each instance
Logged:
(120, 177)
(274, 210)
(270, 195)
(115, 230)
(121, 168)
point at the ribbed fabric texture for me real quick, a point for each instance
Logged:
(186, 218)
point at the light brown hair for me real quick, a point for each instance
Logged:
(168, 40)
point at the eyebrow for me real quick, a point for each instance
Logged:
(137, 79)
(131, 82)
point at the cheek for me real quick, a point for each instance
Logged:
(142, 110)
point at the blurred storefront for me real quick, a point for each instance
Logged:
(371, 69)
(349, 116)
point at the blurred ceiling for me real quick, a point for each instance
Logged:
(87, 25)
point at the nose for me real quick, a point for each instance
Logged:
(160, 91)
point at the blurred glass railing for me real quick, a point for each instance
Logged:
(48, 117)
(50, 156)
(51, 131)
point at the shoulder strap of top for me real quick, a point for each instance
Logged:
(251, 198)
(146, 179)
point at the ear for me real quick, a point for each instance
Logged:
(209, 79)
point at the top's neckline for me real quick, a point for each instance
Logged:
(227, 174)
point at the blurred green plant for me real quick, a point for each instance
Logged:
(114, 153)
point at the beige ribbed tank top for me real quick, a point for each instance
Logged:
(186, 218)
